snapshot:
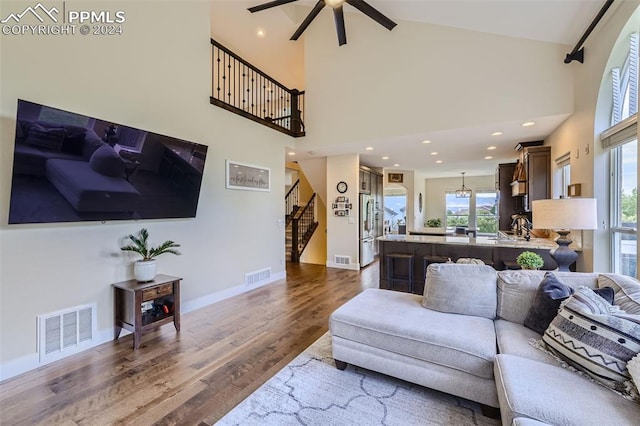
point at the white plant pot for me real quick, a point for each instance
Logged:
(145, 270)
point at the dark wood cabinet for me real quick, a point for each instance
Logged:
(140, 307)
(537, 160)
(507, 204)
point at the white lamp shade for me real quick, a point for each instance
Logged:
(565, 213)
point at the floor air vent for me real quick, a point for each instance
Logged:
(342, 260)
(66, 332)
(257, 276)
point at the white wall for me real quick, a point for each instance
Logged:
(342, 232)
(156, 76)
(579, 135)
(421, 77)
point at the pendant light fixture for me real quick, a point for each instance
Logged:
(463, 192)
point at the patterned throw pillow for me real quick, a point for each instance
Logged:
(627, 291)
(595, 337)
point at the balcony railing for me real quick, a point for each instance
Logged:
(239, 87)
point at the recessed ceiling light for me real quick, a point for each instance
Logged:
(434, 153)
(439, 162)
(491, 148)
(261, 33)
(396, 165)
(529, 124)
(426, 141)
(385, 158)
(369, 148)
(496, 133)
(488, 157)
(292, 153)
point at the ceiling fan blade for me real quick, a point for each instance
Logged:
(338, 16)
(372, 13)
(310, 17)
(269, 5)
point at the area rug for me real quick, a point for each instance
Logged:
(312, 391)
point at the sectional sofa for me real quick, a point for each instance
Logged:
(467, 336)
(88, 173)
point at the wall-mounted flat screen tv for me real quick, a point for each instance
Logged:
(68, 167)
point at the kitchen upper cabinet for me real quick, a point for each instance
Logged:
(365, 181)
(538, 164)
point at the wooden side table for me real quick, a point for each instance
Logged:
(141, 307)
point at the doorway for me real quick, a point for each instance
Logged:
(395, 209)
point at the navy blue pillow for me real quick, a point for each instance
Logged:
(550, 294)
(74, 142)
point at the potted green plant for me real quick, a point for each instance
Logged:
(529, 260)
(145, 268)
(433, 223)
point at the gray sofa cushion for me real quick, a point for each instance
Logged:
(517, 289)
(88, 191)
(407, 329)
(553, 395)
(461, 289)
(514, 339)
(46, 138)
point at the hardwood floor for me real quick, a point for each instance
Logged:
(222, 354)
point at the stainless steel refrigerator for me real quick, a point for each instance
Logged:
(367, 229)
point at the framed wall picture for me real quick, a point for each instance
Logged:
(574, 190)
(395, 177)
(247, 177)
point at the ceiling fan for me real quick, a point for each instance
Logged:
(338, 15)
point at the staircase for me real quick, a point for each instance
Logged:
(301, 223)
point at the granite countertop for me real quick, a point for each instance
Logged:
(534, 243)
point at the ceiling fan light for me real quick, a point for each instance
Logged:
(334, 3)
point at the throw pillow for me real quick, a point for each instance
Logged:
(107, 162)
(551, 292)
(461, 289)
(633, 366)
(74, 142)
(47, 138)
(595, 337)
(627, 291)
(470, 261)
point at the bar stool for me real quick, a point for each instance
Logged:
(390, 260)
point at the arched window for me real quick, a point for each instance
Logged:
(621, 139)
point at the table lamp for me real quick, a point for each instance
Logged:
(561, 215)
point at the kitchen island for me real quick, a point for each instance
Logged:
(501, 253)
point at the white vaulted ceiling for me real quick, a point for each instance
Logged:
(462, 148)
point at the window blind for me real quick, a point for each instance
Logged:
(621, 133)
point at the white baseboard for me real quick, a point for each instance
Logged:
(30, 362)
(351, 266)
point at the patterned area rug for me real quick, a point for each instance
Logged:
(312, 391)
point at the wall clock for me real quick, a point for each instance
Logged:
(342, 187)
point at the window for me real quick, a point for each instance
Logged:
(564, 168)
(457, 210)
(486, 212)
(624, 212)
(621, 139)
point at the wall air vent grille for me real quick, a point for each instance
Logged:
(254, 277)
(63, 333)
(342, 260)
